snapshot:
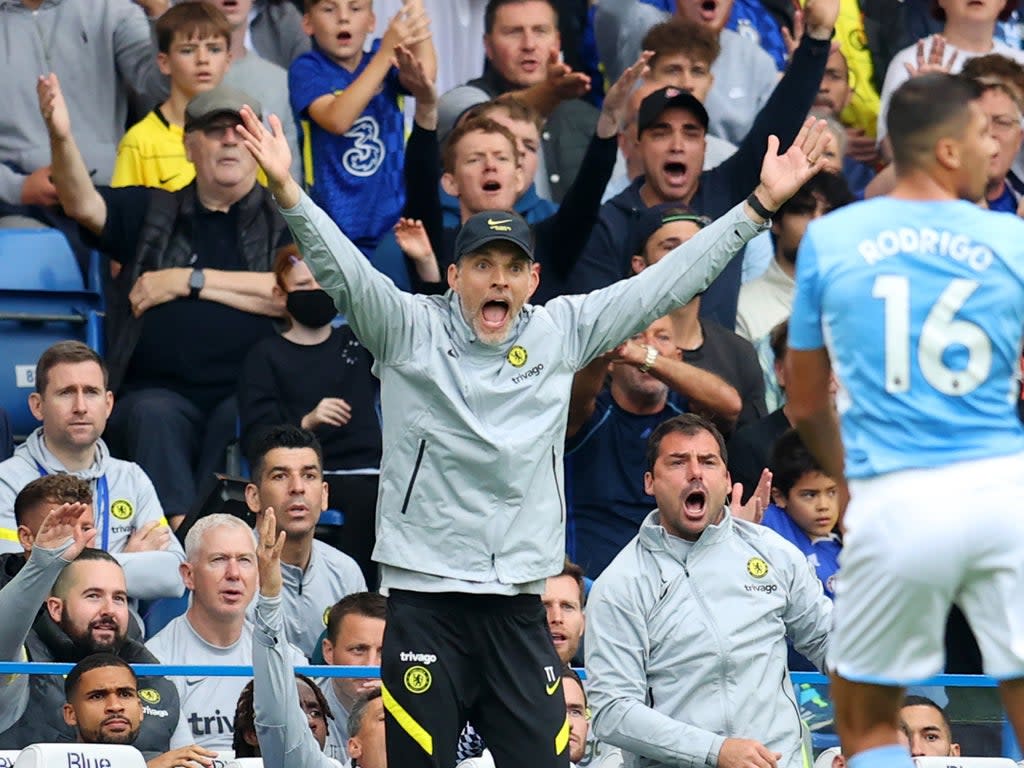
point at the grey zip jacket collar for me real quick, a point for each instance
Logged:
(687, 649)
(471, 485)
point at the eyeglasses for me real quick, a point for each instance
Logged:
(217, 131)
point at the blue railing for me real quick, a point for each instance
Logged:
(1010, 747)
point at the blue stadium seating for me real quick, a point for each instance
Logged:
(43, 299)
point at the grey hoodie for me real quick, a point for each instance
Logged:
(132, 504)
(688, 648)
(472, 495)
(102, 51)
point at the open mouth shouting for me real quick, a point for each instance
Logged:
(494, 315)
(708, 11)
(675, 173)
(695, 502)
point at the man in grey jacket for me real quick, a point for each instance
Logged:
(475, 388)
(686, 665)
(73, 402)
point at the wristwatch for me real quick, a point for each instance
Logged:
(196, 281)
(648, 363)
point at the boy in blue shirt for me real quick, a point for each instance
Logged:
(348, 103)
(805, 506)
(804, 511)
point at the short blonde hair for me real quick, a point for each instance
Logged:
(196, 534)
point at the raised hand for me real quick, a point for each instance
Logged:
(268, 553)
(615, 110)
(753, 510)
(820, 18)
(409, 27)
(782, 175)
(60, 525)
(411, 236)
(935, 59)
(270, 149)
(53, 107)
(791, 41)
(566, 83)
(413, 76)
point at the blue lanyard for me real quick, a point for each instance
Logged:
(102, 505)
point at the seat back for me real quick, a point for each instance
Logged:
(43, 300)
(80, 756)
(38, 259)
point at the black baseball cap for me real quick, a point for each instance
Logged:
(669, 96)
(654, 218)
(222, 100)
(491, 226)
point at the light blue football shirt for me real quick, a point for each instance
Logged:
(921, 307)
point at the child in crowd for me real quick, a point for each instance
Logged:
(805, 510)
(348, 102)
(193, 40)
(805, 506)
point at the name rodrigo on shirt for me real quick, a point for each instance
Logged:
(926, 241)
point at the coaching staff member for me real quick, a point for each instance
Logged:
(475, 390)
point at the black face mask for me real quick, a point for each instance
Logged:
(313, 309)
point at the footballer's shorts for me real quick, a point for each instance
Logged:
(916, 542)
(486, 659)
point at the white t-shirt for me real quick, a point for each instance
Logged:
(207, 703)
(897, 73)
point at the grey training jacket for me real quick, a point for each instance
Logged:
(471, 475)
(686, 650)
(282, 728)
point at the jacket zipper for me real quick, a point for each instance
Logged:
(723, 677)
(558, 489)
(415, 471)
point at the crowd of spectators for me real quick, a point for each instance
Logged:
(618, 129)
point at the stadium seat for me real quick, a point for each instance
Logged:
(8, 756)
(80, 756)
(43, 299)
(38, 259)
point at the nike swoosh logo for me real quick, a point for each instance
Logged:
(189, 683)
(553, 687)
(493, 223)
(164, 181)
